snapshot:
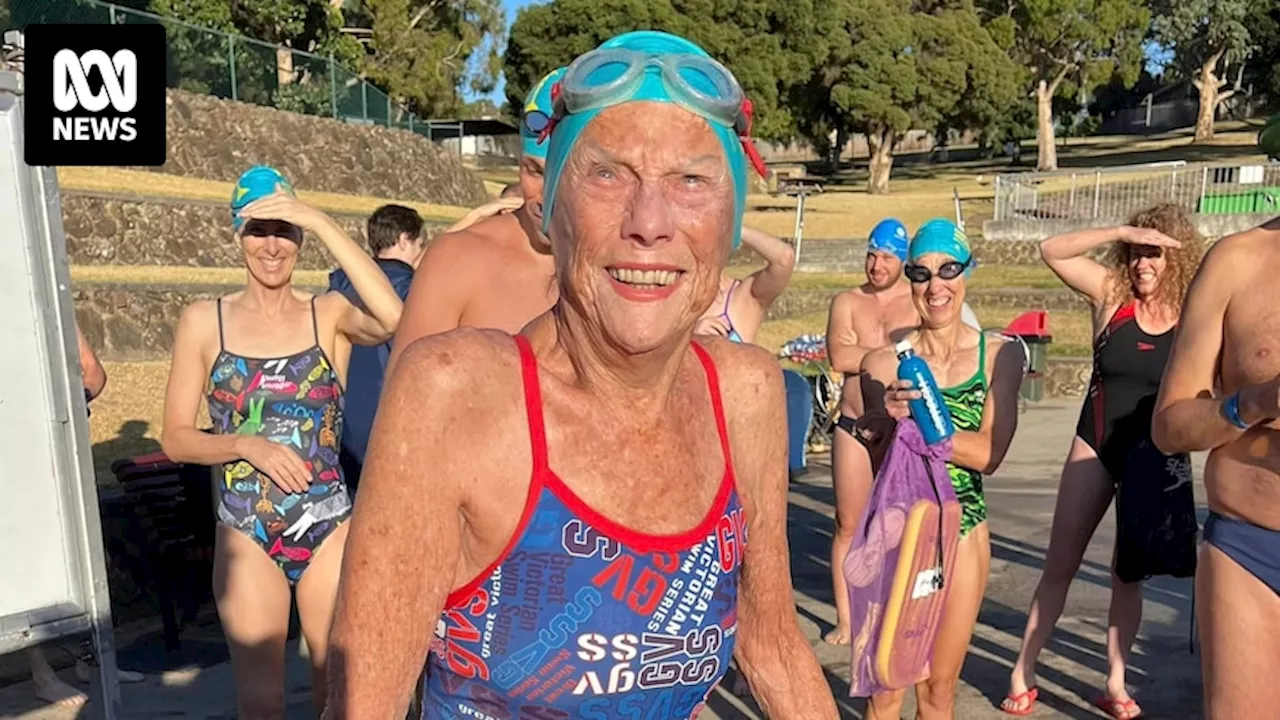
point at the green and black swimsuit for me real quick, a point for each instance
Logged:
(965, 403)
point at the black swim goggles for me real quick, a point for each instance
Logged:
(920, 274)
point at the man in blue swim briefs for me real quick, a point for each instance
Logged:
(494, 272)
(1221, 393)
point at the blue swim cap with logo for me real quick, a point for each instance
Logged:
(889, 236)
(536, 113)
(940, 235)
(255, 183)
(569, 126)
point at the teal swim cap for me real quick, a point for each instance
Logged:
(257, 182)
(569, 126)
(537, 113)
(940, 235)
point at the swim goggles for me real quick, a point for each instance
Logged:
(920, 274)
(535, 121)
(699, 84)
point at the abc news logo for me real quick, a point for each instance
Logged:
(95, 95)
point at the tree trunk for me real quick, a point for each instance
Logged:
(881, 143)
(284, 66)
(1048, 151)
(842, 138)
(1207, 84)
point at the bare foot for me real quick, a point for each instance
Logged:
(53, 690)
(838, 636)
(1022, 694)
(1119, 706)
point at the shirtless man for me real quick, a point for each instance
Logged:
(1221, 393)
(498, 272)
(861, 320)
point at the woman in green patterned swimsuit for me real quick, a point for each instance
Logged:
(979, 378)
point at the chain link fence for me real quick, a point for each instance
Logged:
(1209, 189)
(211, 62)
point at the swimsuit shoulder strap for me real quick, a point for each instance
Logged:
(222, 342)
(315, 326)
(982, 355)
(533, 403)
(717, 404)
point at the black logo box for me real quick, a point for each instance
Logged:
(148, 146)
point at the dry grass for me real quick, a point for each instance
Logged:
(117, 181)
(179, 275)
(127, 418)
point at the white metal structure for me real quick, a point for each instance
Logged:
(52, 564)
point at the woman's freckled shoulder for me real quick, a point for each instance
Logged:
(464, 359)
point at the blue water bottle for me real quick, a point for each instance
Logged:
(929, 412)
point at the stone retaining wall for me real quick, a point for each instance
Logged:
(848, 254)
(217, 139)
(116, 231)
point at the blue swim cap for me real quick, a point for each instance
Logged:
(570, 126)
(940, 235)
(538, 101)
(889, 236)
(257, 182)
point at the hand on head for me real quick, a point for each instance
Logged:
(1148, 236)
(284, 207)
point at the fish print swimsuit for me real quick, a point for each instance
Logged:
(581, 618)
(965, 403)
(296, 401)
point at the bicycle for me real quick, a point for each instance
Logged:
(810, 353)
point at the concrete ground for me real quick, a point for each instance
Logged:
(1164, 674)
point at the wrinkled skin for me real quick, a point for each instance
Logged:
(676, 194)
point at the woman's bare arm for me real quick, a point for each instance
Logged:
(780, 666)
(984, 449)
(406, 533)
(767, 283)
(95, 376)
(188, 376)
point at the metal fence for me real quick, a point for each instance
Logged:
(211, 62)
(1209, 189)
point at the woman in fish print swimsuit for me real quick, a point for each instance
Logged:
(270, 361)
(979, 378)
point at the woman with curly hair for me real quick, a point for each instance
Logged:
(1136, 295)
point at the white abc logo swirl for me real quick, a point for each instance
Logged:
(119, 80)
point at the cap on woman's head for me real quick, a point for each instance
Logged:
(889, 236)
(255, 183)
(606, 80)
(940, 235)
(537, 113)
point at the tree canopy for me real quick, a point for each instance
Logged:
(1205, 35)
(1069, 45)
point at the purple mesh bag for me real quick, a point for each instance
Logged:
(899, 564)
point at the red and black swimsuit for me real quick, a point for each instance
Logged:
(1128, 363)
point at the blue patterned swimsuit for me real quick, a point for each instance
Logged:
(295, 401)
(582, 618)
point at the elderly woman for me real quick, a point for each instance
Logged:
(979, 378)
(270, 360)
(588, 519)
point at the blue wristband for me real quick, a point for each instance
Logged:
(1231, 411)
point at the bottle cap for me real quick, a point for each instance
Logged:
(902, 347)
